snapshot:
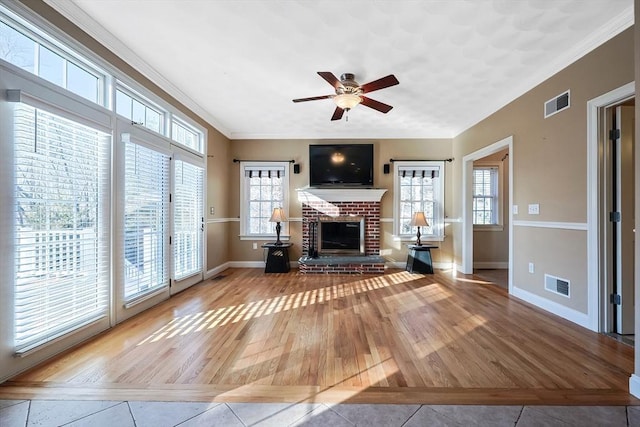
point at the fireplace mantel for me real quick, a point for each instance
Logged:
(309, 195)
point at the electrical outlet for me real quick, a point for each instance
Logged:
(531, 268)
(515, 209)
(212, 210)
(534, 209)
(255, 245)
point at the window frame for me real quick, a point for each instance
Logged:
(439, 199)
(148, 105)
(244, 200)
(174, 120)
(61, 45)
(499, 199)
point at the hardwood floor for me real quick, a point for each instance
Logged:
(396, 338)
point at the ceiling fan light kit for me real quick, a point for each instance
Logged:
(349, 93)
(347, 101)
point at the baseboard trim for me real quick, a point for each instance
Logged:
(634, 385)
(246, 264)
(570, 314)
(491, 265)
(216, 270)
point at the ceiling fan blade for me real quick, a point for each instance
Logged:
(313, 98)
(330, 78)
(376, 105)
(387, 81)
(337, 114)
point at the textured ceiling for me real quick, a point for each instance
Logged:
(240, 63)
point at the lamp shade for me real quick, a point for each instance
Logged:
(278, 215)
(418, 220)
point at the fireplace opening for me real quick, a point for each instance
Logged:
(341, 235)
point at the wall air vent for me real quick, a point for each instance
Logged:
(557, 104)
(557, 285)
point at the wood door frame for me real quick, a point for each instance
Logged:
(597, 301)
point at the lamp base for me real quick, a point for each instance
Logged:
(278, 228)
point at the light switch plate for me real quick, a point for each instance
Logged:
(515, 209)
(534, 209)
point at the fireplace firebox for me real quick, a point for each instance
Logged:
(341, 235)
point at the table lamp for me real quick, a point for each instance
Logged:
(418, 220)
(278, 216)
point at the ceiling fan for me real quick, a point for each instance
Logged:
(350, 93)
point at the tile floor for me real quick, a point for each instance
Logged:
(14, 413)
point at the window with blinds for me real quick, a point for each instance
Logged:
(61, 234)
(485, 195)
(146, 220)
(264, 188)
(419, 187)
(188, 219)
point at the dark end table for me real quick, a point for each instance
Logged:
(277, 257)
(419, 259)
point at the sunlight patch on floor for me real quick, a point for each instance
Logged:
(197, 322)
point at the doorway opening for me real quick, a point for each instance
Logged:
(498, 153)
(490, 218)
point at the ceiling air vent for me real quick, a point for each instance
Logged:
(556, 285)
(557, 104)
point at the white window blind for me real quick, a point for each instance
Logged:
(146, 220)
(188, 219)
(485, 195)
(61, 234)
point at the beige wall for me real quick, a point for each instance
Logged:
(491, 244)
(298, 150)
(550, 165)
(218, 178)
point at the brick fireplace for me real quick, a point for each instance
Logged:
(341, 203)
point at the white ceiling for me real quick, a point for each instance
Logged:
(239, 64)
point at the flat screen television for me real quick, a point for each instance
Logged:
(341, 165)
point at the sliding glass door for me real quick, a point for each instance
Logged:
(188, 222)
(160, 220)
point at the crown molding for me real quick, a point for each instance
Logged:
(86, 23)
